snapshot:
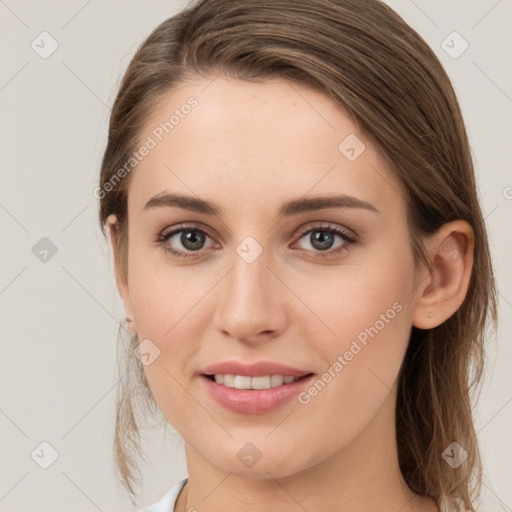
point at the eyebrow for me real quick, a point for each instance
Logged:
(293, 207)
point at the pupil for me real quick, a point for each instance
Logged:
(318, 240)
(192, 240)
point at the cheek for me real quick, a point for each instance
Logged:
(161, 293)
(167, 304)
(368, 314)
(365, 300)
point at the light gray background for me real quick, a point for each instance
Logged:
(59, 318)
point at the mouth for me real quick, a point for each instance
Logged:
(259, 394)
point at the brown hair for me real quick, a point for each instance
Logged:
(366, 58)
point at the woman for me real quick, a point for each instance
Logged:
(302, 258)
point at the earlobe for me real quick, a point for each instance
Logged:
(444, 287)
(121, 277)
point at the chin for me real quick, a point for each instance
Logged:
(259, 460)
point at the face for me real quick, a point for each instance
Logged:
(324, 288)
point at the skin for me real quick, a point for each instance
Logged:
(250, 147)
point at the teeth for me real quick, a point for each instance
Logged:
(245, 382)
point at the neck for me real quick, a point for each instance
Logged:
(363, 475)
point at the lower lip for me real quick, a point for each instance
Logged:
(254, 401)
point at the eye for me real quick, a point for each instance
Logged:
(190, 238)
(322, 239)
(187, 241)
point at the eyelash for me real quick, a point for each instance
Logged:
(348, 240)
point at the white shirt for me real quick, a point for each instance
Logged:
(168, 501)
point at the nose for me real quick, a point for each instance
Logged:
(251, 302)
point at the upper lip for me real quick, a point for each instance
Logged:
(257, 369)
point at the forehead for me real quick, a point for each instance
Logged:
(251, 142)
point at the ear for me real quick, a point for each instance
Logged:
(443, 288)
(121, 273)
